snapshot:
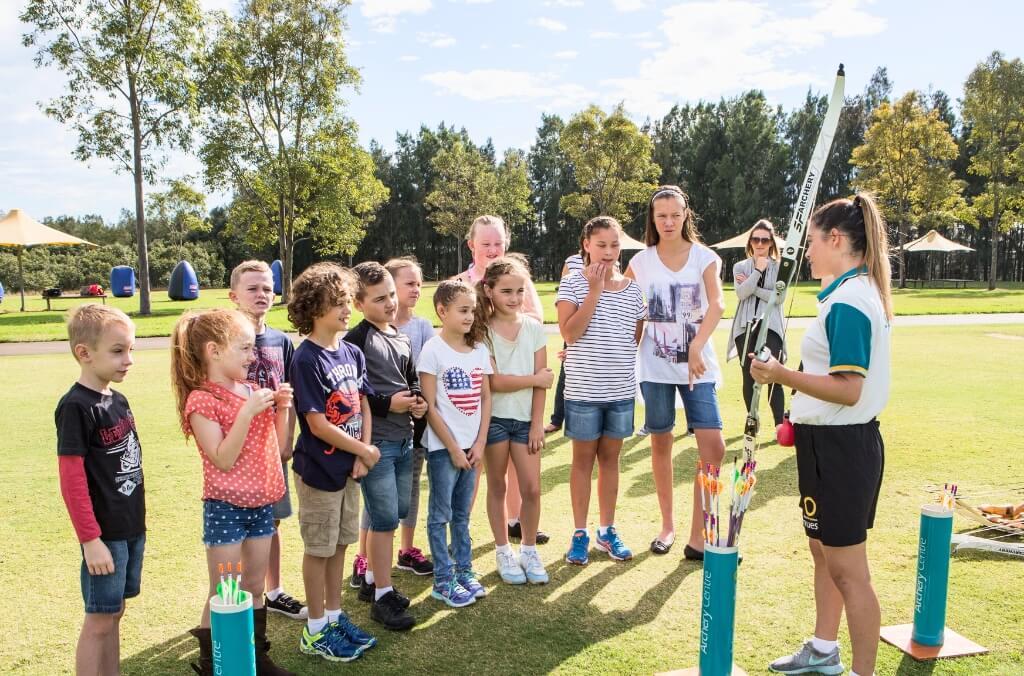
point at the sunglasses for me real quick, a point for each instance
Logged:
(761, 240)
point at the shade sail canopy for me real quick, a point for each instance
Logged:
(933, 241)
(627, 243)
(740, 241)
(19, 231)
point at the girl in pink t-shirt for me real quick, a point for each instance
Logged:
(239, 429)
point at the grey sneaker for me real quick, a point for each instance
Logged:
(807, 660)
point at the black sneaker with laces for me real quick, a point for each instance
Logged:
(389, 611)
(368, 591)
(413, 560)
(515, 532)
(287, 606)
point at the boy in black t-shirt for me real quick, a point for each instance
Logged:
(252, 292)
(100, 468)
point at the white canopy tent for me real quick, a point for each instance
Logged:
(740, 241)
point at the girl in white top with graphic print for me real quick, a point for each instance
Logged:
(519, 358)
(679, 276)
(600, 314)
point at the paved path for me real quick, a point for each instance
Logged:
(163, 342)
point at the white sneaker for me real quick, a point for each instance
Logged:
(509, 569)
(533, 567)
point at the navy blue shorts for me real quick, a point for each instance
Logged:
(508, 429)
(700, 404)
(106, 593)
(226, 524)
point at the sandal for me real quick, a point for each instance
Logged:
(551, 427)
(659, 546)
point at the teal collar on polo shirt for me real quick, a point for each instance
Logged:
(852, 272)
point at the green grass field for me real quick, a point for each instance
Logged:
(954, 415)
(39, 324)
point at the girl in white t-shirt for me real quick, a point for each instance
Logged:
(453, 369)
(600, 314)
(519, 358)
(679, 277)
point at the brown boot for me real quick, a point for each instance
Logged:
(264, 665)
(204, 667)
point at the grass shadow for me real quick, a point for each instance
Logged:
(909, 666)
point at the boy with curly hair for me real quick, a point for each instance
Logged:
(332, 452)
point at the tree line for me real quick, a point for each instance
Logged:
(258, 97)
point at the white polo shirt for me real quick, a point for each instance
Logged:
(850, 335)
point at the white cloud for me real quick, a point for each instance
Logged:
(510, 85)
(383, 14)
(549, 24)
(717, 48)
(566, 54)
(433, 39)
(630, 5)
(563, 3)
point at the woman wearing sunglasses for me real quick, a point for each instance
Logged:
(755, 283)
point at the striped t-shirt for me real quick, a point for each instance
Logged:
(601, 365)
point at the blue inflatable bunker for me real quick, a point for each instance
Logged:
(275, 270)
(122, 281)
(184, 283)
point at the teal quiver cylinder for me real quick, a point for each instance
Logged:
(718, 610)
(231, 626)
(932, 575)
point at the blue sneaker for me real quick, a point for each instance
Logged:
(329, 643)
(452, 593)
(354, 633)
(467, 578)
(613, 545)
(579, 550)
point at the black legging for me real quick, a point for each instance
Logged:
(776, 397)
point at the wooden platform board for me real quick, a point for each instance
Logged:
(954, 645)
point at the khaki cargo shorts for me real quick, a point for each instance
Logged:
(327, 519)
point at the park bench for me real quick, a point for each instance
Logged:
(51, 297)
(938, 283)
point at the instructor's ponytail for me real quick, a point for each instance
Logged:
(876, 253)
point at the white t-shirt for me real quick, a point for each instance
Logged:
(573, 263)
(850, 335)
(515, 358)
(460, 378)
(601, 365)
(676, 305)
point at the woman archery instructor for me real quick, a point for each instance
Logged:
(840, 455)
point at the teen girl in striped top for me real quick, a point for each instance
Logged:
(600, 315)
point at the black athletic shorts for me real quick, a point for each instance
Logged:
(840, 475)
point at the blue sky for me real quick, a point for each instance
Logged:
(493, 66)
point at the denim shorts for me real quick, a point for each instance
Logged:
(508, 429)
(226, 524)
(701, 406)
(387, 487)
(106, 593)
(587, 421)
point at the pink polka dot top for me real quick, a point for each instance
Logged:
(255, 479)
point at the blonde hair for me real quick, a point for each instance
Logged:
(446, 293)
(248, 266)
(396, 265)
(593, 225)
(512, 264)
(87, 323)
(862, 223)
(496, 221)
(189, 339)
(320, 287)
